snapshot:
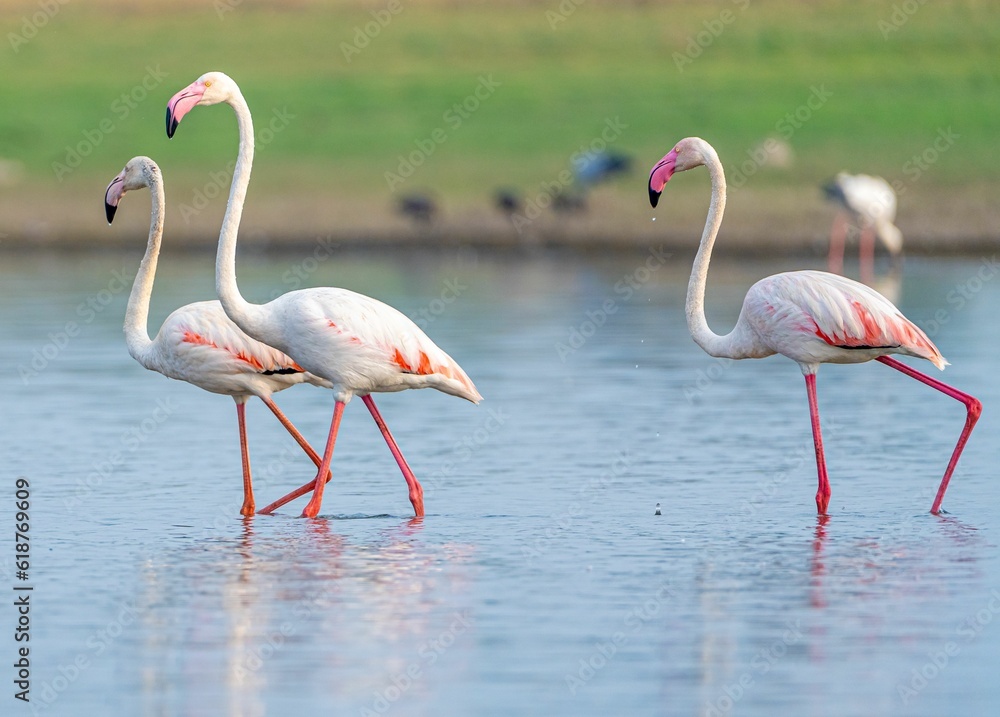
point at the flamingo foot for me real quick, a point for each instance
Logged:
(248, 507)
(417, 499)
(822, 502)
(312, 509)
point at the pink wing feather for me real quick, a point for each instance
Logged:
(371, 344)
(842, 313)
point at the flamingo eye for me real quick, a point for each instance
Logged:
(208, 83)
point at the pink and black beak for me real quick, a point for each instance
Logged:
(660, 175)
(182, 103)
(113, 194)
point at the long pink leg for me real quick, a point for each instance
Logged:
(838, 234)
(312, 507)
(416, 490)
(313, 456)
(866, 254)
(248, 503)
(973, 407)
(823, 493)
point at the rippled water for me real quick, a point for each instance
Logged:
(540, 581)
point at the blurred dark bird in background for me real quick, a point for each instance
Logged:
(418, 206)
(507, 200)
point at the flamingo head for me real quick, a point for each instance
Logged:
(209, 89)
(891, 236)
(686, 154)
(139, 172)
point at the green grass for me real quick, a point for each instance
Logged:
(607, 60)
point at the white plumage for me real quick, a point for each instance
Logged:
(870, 204)
(356, 343)
(816, 317)
(362, 345)
(812, 317)
(198, 343)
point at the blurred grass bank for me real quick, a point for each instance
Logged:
(359, 105)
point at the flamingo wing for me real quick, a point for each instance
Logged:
(198, 343)
(814, 316)
(367, 344)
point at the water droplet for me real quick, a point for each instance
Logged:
(654, 219)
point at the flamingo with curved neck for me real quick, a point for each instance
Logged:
(812, 317)
(357, 344)
(198, 343)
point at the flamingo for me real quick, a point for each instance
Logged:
(871, 204)
(812, 317)
(198, 343)
(356, 343)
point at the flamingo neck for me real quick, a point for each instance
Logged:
(244, 314)
(137, 314)
(712, 343)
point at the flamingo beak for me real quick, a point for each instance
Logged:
(182, 103)
(660, 175)
(113, 194)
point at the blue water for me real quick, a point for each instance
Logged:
(540, 581)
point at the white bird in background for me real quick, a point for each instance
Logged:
(358, 344)
(198, 343)
(811, 317)
(870, 204)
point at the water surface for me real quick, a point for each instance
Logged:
(540, 581)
